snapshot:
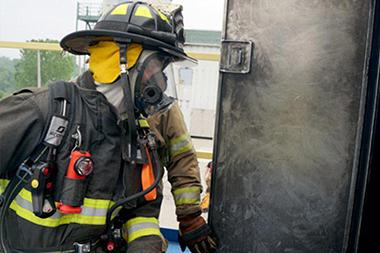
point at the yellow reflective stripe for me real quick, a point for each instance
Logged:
(120, 10)
(143, 123)
(180, 145)
(187, 189)
(187, 201)
(3, 184)
(181, 150)
(187, 195)
(143, 11)
(93, 211)
(87, 202)
(179, 139)
(27, 195)
(138, 220)
(55, 222)
(142, 226)
(57, 219)
(97, 203)
(144, 232)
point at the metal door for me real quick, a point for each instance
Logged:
(290, 124)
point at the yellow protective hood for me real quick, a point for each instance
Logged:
(105, 60)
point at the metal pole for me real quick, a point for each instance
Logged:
(38, 69)
(76, 25)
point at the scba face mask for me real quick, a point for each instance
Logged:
(152, 78)
(150, 74)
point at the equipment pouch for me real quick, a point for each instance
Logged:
(73, 192)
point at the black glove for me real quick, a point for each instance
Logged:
(196, 235)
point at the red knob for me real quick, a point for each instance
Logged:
(45, 171)
(110, 246)
(49, 185)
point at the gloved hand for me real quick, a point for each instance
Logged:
(195, 234)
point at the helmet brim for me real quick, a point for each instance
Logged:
(78, 42)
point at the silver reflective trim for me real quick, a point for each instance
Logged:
(180, 145)
(187, 195)
(89, 211)
(143, 225)
(86, 211)
(28, 206)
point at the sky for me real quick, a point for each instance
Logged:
(23, 20)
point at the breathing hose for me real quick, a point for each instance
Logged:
(9, 197)
(159, 174)
(132, 133)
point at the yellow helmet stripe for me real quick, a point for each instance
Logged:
(162, 16)
(120, 10)
(143, 11)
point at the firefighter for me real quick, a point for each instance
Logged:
(86, 155)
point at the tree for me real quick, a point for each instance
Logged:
(54, 66)
(7, 73)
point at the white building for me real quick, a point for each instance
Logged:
(197, 86)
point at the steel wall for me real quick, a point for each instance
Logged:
(288, 133)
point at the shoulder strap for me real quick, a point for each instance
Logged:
(61, 105)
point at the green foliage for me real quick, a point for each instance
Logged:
(54, 66)
(7, 73)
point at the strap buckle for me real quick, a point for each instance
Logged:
(24, 173)
(82, 247)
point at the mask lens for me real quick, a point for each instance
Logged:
(152, 84)
(153, 73)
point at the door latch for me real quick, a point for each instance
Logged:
(236, 56)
